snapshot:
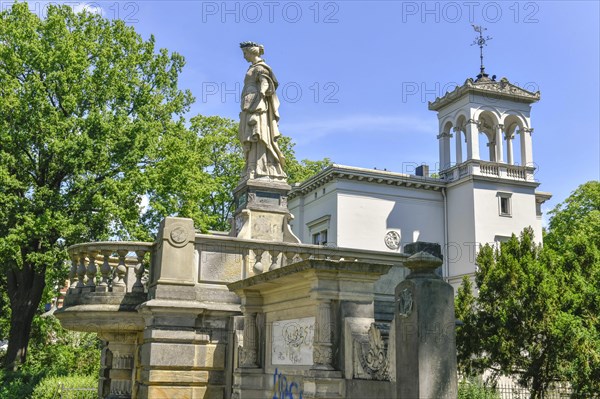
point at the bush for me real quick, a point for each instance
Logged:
(472, 389)
(53, 353)
(49, 387)
(56, 351)
(17, 384)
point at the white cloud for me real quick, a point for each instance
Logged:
(92, 8)
(361, 124)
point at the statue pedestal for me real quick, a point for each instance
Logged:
(261, 211)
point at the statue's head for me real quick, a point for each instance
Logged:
(252, 50)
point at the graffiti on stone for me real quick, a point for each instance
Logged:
(282, 389)
(292, 342)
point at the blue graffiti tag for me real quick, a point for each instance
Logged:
(281, 389)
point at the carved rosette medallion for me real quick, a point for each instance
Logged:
(322, 355)
(178, 236)
(248, 358)
(392, 240)
(405, 303)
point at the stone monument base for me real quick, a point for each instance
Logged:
(294, 344)
(261, 211)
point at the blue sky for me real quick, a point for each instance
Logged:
(355, 76)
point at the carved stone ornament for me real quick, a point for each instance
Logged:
(322, 355)
(405, 303)
(248, 358)
(373, 357)
(178, 236)
(392, 240)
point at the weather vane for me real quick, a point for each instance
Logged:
(480, 41)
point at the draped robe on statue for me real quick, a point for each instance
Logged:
(259, 131)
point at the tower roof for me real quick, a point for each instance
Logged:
(487, 87)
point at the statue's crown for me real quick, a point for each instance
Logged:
(249, 44)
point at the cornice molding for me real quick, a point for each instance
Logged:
(498, 89)
(365, 175)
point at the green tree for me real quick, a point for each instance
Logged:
(511, 325)
(573, 238)
(217, 138)
(86, 110)
(577, 216)
(299, 171)
(465, 331)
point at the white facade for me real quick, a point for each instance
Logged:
(475, 201)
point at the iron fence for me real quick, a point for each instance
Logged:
(76, 393)
(515, 391)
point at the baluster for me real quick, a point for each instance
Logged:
(105, 271)
(81, 271)
(289, 257)
(139, 271)
(258, 267)
(118, 282)
(92, 271)
(73, 271)
(274, 255)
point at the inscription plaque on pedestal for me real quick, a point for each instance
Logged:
(292, 342)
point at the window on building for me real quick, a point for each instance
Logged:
(318, 230)
(504, 204)
(320, 238)
(498, 239)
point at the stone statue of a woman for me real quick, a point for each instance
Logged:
(259, 118)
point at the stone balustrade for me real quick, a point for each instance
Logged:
(265, 256)
(486, 168)
(489, 169)
(154, 333)
(110, 266)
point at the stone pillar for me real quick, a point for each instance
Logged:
(184, 348)
(249, 353)
(175, 269)
(322, 346)
(526, 150)
(509, 148)
(105, 366)
(117, 378)
(444, 143)
(458, 133)
(425, 337)
(499, 149)
(472, 133)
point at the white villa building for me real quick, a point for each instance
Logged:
(476, 199)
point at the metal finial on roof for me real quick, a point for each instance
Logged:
(480, 41)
